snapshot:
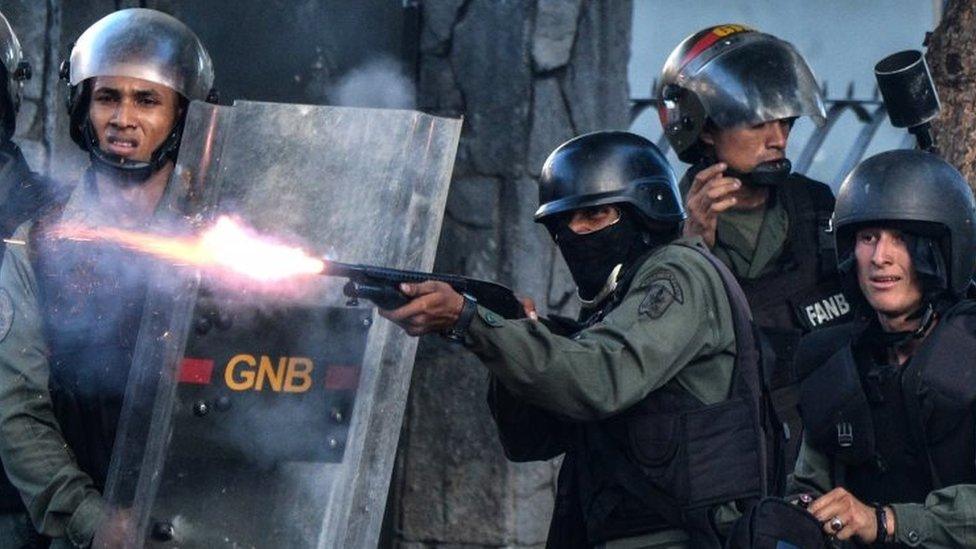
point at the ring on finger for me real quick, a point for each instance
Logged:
(836, 524)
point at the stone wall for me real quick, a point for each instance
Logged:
(526, 75)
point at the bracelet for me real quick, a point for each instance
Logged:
(460, 328)
(882, 517)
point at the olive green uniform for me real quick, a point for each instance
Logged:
(947, 518)
(62, 500)
(682, 335)
(749, 242)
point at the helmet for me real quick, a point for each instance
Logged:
(610, 167)
(732, 75)
(138, 43)
(916, 190)
(13, 71)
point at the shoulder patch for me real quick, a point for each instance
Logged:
(6, 313)
(663, 290)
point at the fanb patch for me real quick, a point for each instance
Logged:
(662, 292)
(6, 313)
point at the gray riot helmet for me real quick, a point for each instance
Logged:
(610, 167)
(920, 193)
(136, 43)
(732, 75)
(14, 70)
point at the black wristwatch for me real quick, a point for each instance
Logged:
(460, 328)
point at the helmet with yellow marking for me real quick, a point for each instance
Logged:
(732, 75)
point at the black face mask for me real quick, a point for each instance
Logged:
(591, 257)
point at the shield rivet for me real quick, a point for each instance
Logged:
(201, 408)
(163, 531)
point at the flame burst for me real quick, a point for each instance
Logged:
(227, 245)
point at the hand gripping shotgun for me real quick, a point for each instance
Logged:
(381, 286)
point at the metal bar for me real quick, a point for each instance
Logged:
(819, 136)
(860, 145)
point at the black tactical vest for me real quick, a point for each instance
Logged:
(665, 462)
(802, 294)
(91, 299)
(898, 434)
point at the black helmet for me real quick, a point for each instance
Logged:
(13, 71)
(610, 167)
(916, 190)
(732, 75)
(138, 43)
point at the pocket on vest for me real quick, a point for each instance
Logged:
(654, 441)
(723, 453)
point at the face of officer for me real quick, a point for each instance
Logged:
(132, 117)
(590, 220)
(743, 148)
(886, 274)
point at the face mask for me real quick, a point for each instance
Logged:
(592, 257)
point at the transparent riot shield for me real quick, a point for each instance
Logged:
(257, 420)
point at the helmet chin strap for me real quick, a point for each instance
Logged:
(926, 315)
(130, 172)
(765, 174)
(607, 289)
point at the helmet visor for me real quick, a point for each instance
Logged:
(761, 80)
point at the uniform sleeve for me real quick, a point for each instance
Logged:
(811, 474)
(61, 499)
(945, 519)
(675, 318)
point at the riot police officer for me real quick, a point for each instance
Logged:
(730, 96)
(888, 403)
(657, 369)
(22, 194)
(65, 356)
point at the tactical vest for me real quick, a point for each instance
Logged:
(935, 407)
(91, 299)
(665, 462)
(23, 194)
(803, 293)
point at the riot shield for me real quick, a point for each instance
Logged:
(271, 420)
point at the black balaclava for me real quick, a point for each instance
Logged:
(592, 257)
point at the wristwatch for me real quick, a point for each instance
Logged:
(460, 328)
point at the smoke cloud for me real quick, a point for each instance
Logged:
(380, 83)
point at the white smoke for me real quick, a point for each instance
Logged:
(380, 83)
